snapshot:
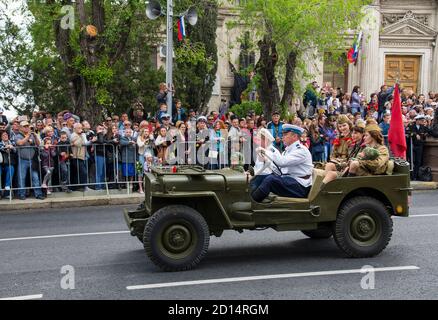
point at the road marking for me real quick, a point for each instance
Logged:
(267, 277)
(31, 297)
(419, 216)
(423, 215)
(65, 236)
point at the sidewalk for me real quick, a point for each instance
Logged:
(423, 185)
(74, 200)
(115, 197)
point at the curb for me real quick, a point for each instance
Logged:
(73, 202)
(423, 185)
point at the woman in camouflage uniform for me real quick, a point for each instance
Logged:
(373, 160)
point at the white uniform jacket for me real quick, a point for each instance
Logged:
(296, 162)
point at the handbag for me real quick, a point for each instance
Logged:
(425, 174)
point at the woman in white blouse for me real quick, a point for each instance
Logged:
(144, 142)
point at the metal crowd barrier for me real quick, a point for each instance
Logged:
(106, 166)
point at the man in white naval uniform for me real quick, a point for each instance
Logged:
(293, 177)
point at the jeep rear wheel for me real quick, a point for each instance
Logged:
(363, 227)
(176, 238)
(322, 232)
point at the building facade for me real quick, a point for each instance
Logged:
(399, 43)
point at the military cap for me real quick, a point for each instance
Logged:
(292, 128)
(372, 127)
(370, 153)
(360, 123)
(420, 117)
(202, 119)
(343, 119)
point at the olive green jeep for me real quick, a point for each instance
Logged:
(183, 209)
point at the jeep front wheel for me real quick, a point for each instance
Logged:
(176, 238)
(363, 227)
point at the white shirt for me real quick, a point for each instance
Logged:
(296, 162)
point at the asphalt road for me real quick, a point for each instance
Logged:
(107, 260)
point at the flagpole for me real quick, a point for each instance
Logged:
(169, 56)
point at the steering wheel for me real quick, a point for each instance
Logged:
(262, 153)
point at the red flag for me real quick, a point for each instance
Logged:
(396, 134)
(180, 31)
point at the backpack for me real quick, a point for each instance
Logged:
(425, 174)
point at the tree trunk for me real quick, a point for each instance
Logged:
(269, 92)
(83, 93)
(289, 89)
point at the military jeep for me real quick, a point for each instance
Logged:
(185, 205)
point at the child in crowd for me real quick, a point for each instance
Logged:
(48, 154)
(64, 163)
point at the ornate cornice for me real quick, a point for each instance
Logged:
(408, 28)
(389, 19)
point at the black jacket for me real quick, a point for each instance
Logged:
(422, 131)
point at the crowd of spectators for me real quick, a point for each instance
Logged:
(48, 153)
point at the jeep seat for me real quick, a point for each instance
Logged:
(317, 178)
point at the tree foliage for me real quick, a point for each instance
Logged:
(55, 68)
(196, 57)
(292, 33)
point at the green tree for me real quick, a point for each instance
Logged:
(291, 33)
(54, 67)
(196, 57)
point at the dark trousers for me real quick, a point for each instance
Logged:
(63, 174)
(78, 173)
(283, 186)
(256, 182)
(417, 161)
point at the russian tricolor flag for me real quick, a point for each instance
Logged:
(181, 29)
(353, 53)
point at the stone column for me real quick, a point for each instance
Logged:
(369, 52)
(434, 81)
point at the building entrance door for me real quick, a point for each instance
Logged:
(404, 68)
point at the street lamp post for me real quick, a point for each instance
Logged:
(153, 11)
(169, 56)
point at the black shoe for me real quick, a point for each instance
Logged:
(22, 198)
(68, 191)
(40, 198)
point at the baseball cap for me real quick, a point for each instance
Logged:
(24, 123)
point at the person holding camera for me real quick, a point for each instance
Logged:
(128, 150)
(28, 142)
